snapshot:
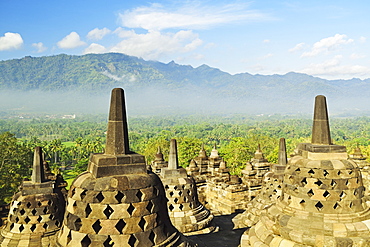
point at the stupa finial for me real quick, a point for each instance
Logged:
(282, 159)
(173, 158)
(320, 129)
(38, 175)
(117, 134)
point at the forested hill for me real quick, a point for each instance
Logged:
(101, 72)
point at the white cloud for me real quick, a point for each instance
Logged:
(123, 33)
(40, 47)
(362, 39)
(266, 41)
(71, 41)
(334, 68)
(98, 34)
(198, 56)
(297, 47)
(189, 16)
(267, 56)
(95, 48)
(154, 44)
(327, 44)
(357, 56)
(10, 41)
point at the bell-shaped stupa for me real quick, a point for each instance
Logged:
(269, 193)
(158, 163)
(36, 211)
(322, 202)
(186, 212)
(117, 202)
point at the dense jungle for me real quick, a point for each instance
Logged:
(67, 143)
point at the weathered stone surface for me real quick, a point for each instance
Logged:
(117, 202)
(187, 214)
(36, 211)
(322, 202)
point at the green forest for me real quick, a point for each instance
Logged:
(67, 143)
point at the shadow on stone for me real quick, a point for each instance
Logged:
(225, 237)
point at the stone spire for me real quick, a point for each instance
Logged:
(117, 202)
(320, 128)
(38, 175)
(173, 162)
(117, 134)
(282, 157)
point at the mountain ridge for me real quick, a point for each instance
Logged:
(98, 73)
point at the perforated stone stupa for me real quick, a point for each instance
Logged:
(187, 214)
(36, 211)
(117, 202)
(322, 201)
(271, 191)
(360, 159)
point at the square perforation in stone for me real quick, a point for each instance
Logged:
(120, 225)
(132, 240)
(108, 242)
(96, 226)
(108, 211)
(119, 196)
(319, 206)
(86, 241)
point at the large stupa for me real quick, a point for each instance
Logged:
(322, 202)
(117, 201)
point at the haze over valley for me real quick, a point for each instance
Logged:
(81, 84)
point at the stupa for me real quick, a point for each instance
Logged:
(269, 193)
(322, 202)
(254, 171)
(117, 202)
(36, 211)
(360, 159)
(158, 163)
(187, 214)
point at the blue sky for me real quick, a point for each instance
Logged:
(328, 39)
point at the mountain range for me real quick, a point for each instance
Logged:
(165, 87)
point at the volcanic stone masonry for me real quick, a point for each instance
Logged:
(36, 211)
(322, 202)
(187, 214)
(269, 193)
(117, 202)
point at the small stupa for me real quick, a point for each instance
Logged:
(187, 214)
(322, 202)
(36, 211)
(269, 193)
(158, 163)
(117, 201)
(254, 171)
(360, 159)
